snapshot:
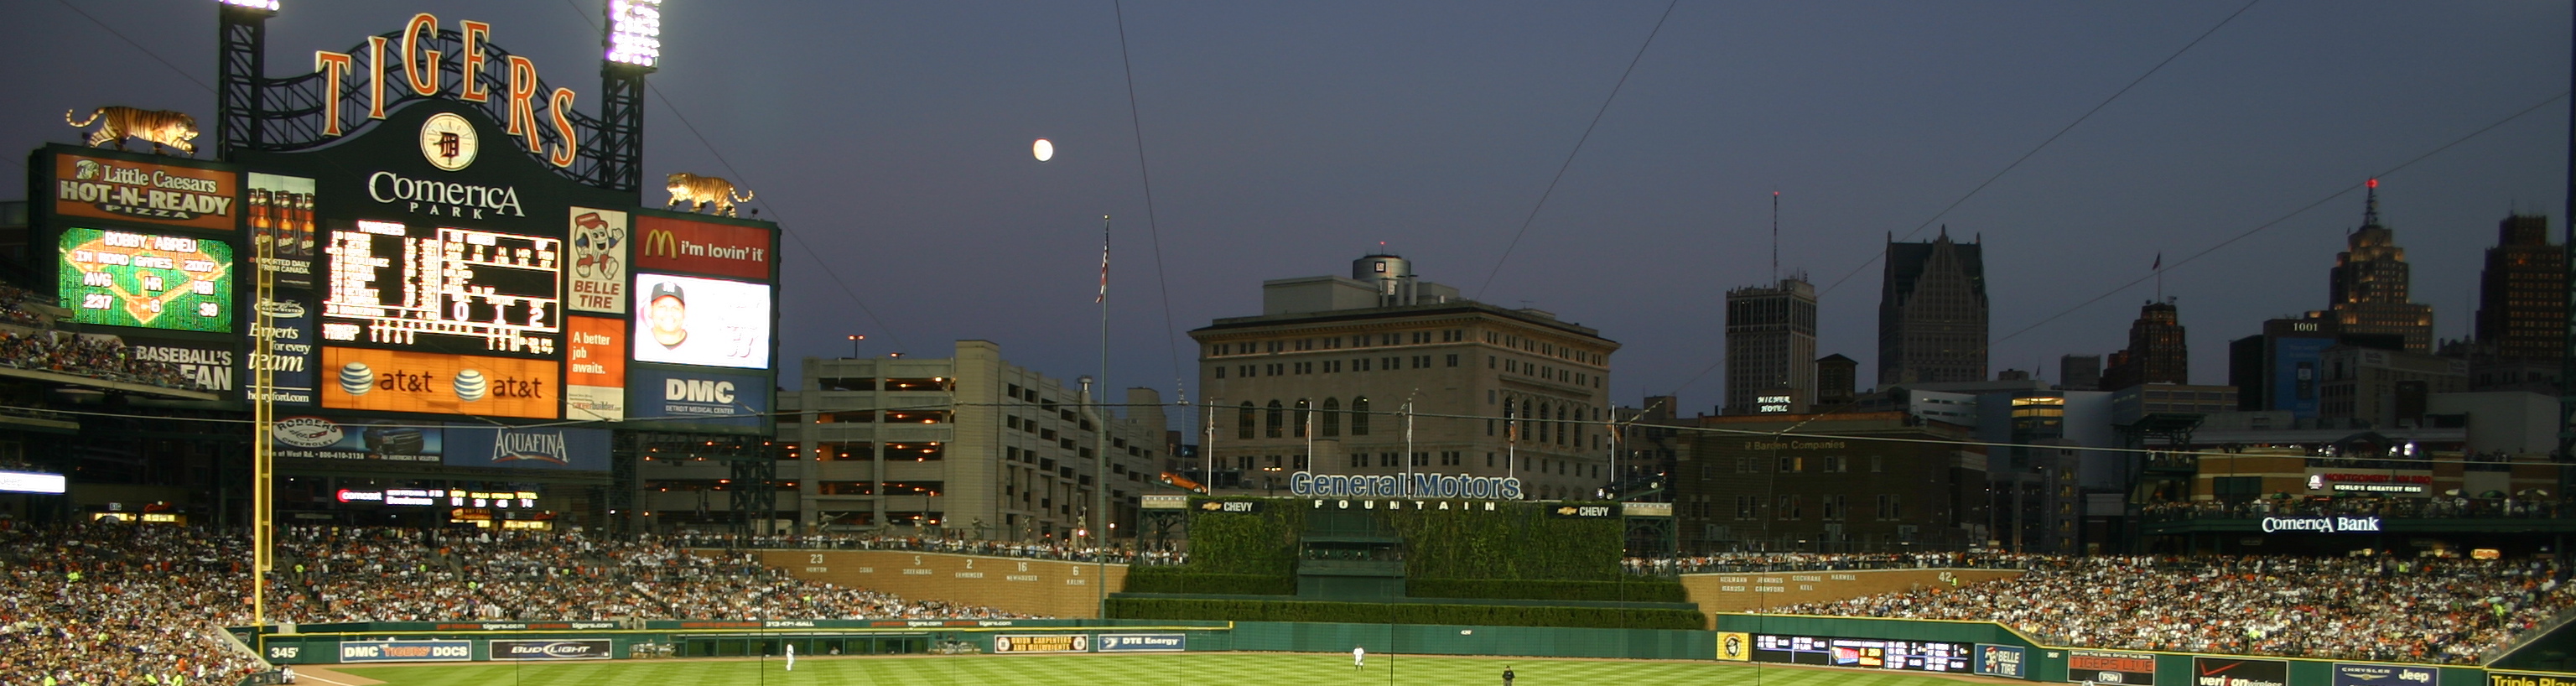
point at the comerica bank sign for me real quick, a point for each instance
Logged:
(1423, 485)
(2325, 525)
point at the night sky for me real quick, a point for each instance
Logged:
(1286, 139)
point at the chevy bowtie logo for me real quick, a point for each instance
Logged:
(661, 243)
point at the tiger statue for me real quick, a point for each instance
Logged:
(160, 127)
(699, 191)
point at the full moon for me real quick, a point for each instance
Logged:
(1043, 149)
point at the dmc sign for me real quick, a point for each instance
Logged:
(2328, 525)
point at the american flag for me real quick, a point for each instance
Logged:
(1104, 265)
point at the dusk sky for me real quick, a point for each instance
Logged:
(1286, 139)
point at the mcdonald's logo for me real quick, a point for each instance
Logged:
(660, 243)
(703, 248)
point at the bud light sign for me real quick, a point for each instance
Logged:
(697, 399)
(556, 649)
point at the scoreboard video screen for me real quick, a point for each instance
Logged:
(1875, 653)
(444, 289)
(149, 280)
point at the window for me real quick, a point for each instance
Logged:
(1832, 506)
(1332, 417)
(936, 383)
(916, 416)
(1489, 457)
(1278, 415)
(1386, 459)
(1359, 459)
(1748, 506)
(1877, 464)
(1889, 507)
(1422, 459)
(1360, 365)
(1359, 416)
(1793, 464)
(845, 384)
(1220, 371)
(1243, 421)
(1453, 360)
(847, 451)
(917, 452)
(1790, 508)
(1832, 463)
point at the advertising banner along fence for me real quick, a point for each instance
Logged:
(2128, 669)
(553, 649)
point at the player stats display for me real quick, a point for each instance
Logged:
(147, 280)
(423, 286)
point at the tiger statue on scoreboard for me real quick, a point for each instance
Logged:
(169, 128)
(700, 191)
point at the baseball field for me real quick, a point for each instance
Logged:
(1191, 669)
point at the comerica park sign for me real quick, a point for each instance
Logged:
(1421, 485)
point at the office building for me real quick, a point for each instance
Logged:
(1836, 377)
(2079, 372)
(2368, 293)
(2156, 353)
(1852, 482)
(1932, 312)
(1340, 375)
(970, 445)
(2522, 295)
(2280, 368)
(1771, 348)
(2385, 387)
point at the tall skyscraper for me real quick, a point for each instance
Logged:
(2522, 297)
(2079, 372)
(1771, 348)
(1932, 312)
(2370, 282)
(2156, 352)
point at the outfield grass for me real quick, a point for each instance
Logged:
(1191, 669)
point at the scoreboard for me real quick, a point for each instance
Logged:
(146, 280)
(1875, 653)
(431, 288)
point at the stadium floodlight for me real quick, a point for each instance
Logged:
(635, 32)
(270, 5)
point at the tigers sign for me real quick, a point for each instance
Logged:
(696, 247)
(111, 188)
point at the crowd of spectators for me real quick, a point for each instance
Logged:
(100, 604)
(333, 574)
(1049, 549)
(1802, 562)
(2417, 610)
(118, 604)
(96, 357)
(2449, 506)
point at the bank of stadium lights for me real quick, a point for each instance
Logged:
(635, 32)
(270, 5)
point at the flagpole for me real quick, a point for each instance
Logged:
(1100, 441)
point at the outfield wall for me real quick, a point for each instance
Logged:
(1046, 588)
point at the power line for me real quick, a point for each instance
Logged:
(2052, 138)
(801, 243)
(1135, 121)
(1578, 149)
(120, 35)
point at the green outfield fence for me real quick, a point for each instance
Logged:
(476, 641)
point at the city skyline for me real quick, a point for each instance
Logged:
(894, 142)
